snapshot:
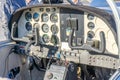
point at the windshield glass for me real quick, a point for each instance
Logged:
(98, 3)
(102, 4)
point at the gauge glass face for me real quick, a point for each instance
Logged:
(41, 9)
(45, 28)
(54, 18)
(48, 9)
(54, 29)
(53, 9)
(28, 16)
(91, 34)
(45, 38)
(90, 16)
(91, 25)
(28, 26)
(36, 16)
(45, 17)
(54, 39)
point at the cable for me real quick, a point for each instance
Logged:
(49, 63)
(6, 60)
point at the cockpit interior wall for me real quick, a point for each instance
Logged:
(8, 60)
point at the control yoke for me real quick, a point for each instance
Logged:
(87, 46)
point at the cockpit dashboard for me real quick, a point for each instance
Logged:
(69, 28)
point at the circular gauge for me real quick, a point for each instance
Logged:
(91, 25)
(53, 9)
(45, 28)
(90, 16)
(28, 26)
(54, 18)
(45, 17)
(28, 16)
(54, 29)
(45, 38)
(36, 16)
(41, 9)
(48, 9)
(54, 39)
(91, 34)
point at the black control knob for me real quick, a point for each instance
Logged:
(50, 76)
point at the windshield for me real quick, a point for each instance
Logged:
(98, 3)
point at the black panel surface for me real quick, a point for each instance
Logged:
(70, 13)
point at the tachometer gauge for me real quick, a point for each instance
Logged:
(54, 18)
(36, 16)
(28, 26)
(28, 16)
(45, 38)
(45, 28)
(45, 17)
(54, 29)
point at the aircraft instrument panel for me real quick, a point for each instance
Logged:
(69, 28)
(47, 20)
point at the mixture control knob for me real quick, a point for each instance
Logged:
(50, 76)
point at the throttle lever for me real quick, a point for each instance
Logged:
(87, 46)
